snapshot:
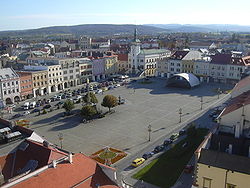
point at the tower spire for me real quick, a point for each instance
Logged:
(135, 34)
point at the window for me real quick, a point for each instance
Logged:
(71, 77)
(9, 91)
(4, 92)
(206, 182)
(230, 185)
(8, 84)
(64, 72)
(4, 85)
(17, 90)
(70, 71)
(16, 82)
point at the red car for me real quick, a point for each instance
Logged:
(189, 169)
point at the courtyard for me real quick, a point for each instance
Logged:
(127, 129)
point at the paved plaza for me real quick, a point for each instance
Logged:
(127, 129)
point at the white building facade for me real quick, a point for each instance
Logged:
(10, 86)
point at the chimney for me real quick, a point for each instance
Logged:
(54, 163)
(70, 158)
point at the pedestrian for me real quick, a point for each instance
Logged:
(134, 90)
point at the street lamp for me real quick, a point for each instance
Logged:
(180, 112)
(88, 99)
(60, 137)
(201, 102)
(149, 132)
(218, 92)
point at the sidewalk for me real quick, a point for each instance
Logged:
(131, 182)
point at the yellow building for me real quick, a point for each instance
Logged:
(217, 169)
(187, 66)
(123, 65)
(40, 82)
(110, 65)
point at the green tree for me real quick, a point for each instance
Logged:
(68, 106)
(109, 101)
(88, 111)
(92, 97)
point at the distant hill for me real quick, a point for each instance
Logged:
(87, 29)
(203, 27)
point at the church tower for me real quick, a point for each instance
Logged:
(134, 52)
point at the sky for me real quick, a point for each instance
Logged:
(29, 14)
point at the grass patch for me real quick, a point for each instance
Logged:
(107, 155)
(165, 170)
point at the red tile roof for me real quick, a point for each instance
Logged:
(34, 151)
(6, 165)
(122, 57)
(83, 172)
(225, 59)
(237, 102)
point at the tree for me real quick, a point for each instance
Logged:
(92, 97)
(88, 111)
(68, 106)
(109, 101)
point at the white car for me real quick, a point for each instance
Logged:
(98, 91)
(26, 113)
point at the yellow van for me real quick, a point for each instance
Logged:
(138, 162)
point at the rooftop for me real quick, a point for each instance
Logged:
(224, 160)
(83, 172)
(179, 55)
(7, 73)
(152, 51)
(237, 102)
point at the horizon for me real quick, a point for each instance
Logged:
(29, 15)
(153, 25)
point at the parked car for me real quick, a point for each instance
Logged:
(98, 91)
(32, 105)
(147, 155)
(167, 142)
(138, 162)
(26, 113)
(16, 116)
(26, 105)
(111, 87)
(35, 110)
(174, 136)
(59, 103)
(47, 106)
(188, 168)
(158, 149)
(104, 89)
(121, 101)
(182, 132)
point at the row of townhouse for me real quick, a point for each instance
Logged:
(46, 75)
(224, 68)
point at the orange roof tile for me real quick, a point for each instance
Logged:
(83, 172)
